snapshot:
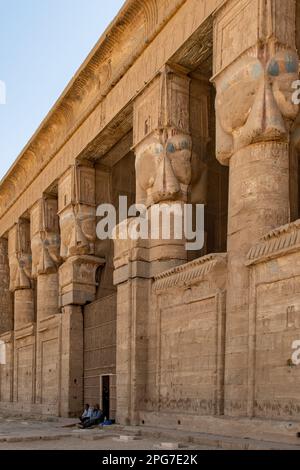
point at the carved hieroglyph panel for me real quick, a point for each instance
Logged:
(277, 327)
(7, 373)
(65, 190)
(146, 112)
(24, 369)
(236, 30)
(43, 216)
(165, 103)
(50, 352)
(188, 357)
(77, 186)
(242, 24)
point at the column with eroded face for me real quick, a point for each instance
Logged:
(255, 65)
(77, 275)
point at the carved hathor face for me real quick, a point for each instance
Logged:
(163, 169)
(254, 100)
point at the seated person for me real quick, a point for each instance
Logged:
(87, 414)
(96, 418)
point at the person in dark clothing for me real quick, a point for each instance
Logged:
(87, 414)
(96, 418)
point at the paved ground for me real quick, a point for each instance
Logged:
(30, 434)
(62, 434)
(80, 444)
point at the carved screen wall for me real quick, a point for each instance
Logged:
(25, 373)
(186, 338)
(188, 363)
(277, 324)
(6, 370)
(99, 345)
(50, 371)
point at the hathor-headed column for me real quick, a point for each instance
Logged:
(6, 304)
(255, 65)
(77, 275)
(19, 253)
(163, 149)
(45, 247)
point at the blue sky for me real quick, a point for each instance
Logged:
(42, 44)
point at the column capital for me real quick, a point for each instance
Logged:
(255, 66)
(19, 254)
(77, 284)
(6, 310)
(162, 141)
(77, 211)
(45, 239)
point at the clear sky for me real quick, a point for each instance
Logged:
(42, 44)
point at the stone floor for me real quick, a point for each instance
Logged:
(17, 433)
(61, 434)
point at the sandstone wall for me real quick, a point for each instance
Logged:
(185, 339)
(100, 349)
(274, 324)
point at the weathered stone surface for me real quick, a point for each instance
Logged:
(144, 328)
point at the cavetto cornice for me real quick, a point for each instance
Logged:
(190, 273)
(136, 25)
(278, 242)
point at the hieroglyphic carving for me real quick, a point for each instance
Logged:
(244, 25)
(19, 253)
(77, 213)
(45, 240)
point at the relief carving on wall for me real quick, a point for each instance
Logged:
(45, 239)
(77, 211)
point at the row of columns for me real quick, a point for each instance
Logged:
(49, 266)
(255, 66)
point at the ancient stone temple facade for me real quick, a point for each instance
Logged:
(181, 101)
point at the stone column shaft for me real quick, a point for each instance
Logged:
(255, 66)
(6, 301)
(20, 274)
(45, 246)
(77, 276)
(163, 148)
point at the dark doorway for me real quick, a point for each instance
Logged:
(105, 395)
